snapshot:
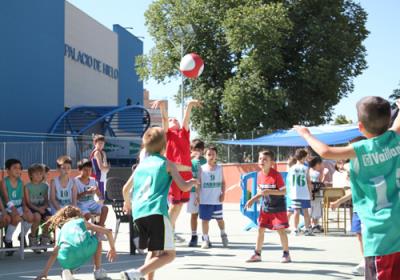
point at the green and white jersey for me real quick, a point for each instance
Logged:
(211, 185)
(297, 181)
(151, 183)
(375, 184)
(15, 195)
(37, 193)
(196, 165)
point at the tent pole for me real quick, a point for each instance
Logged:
(277, 152)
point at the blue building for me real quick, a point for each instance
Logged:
(54, 57)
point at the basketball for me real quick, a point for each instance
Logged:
(191, 65)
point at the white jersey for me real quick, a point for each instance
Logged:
(211, 185)
(81, 187)
(64, 195)
(297, 178)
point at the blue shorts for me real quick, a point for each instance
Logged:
(356, 223)
(300, 204)
(208, 212)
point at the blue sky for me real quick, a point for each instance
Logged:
(381, 77)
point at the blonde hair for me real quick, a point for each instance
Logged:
(154, 140)
(98, 137)
(64, 215)
(64, 160)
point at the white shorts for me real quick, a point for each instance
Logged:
(91, 207)
(19, 210)
(191, 207)
(316, 208)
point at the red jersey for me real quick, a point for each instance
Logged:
(272, 181)
(178, 146)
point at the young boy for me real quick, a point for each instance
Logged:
(62, 188)
(12, 189)
(37, 200)
(210, 196)
(148, 201)
(178, 152)
(273, 215)
(197, 147)
(99, 163)
(300, 190)
(86, 188)
(374, 176)
(317, 173)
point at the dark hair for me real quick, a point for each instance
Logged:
(62, 160)
(212, 148)
(12, 161)
(46, 168)
(84, 163)
(314, 161)
(300, 154)
(36, 167)
(267, 153)
(374, 113)
(99, 137)
(197, 144)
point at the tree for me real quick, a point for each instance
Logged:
(394, 96)
(341, 119)
(277, 63)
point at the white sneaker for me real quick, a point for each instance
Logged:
(359, 270)
(224, 239)
(206, 245)
(67, 275)
(100, 274)
(131, 274)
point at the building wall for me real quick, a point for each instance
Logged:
(88, 79)
(130, 86)
(31, 64)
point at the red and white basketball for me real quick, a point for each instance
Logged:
(191, 65)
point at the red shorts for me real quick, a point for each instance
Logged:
(383, 267)
(175, 194)
(273, 221)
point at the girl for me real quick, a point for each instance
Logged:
(75, 245)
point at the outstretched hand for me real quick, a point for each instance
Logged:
(157, 104)
(111, 255)
(195, 103)
(302, 130)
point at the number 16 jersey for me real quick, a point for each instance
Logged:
(297, 182)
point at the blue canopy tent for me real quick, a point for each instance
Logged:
(329, 134)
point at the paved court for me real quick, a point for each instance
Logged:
(316, 257)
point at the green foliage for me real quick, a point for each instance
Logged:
(341, 119)
(275, 63)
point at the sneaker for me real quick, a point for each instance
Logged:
(131, 274)
(8, 245)
(193, 241)
(296, 232)
(67, 275)
(224, 239)
(100, 274)
(286, 258)
(34, 242)
(308, 232)
(359, 270)
(254, 258)
(317, 229)
(206, 244)
(44, 240)
(178, 239)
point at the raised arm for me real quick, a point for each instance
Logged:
(161, 104)
(396, 124)
(324, 150)
(186, 118)
(182, 184)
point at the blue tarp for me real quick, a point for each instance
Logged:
(329, 134)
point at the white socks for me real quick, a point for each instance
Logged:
(26, 226)
(206, 237)
(10, 232)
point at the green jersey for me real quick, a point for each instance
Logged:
(151, 183)
(196, 164)
(37, 193)
(375, 183)
(15, 195)
(77, 245)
